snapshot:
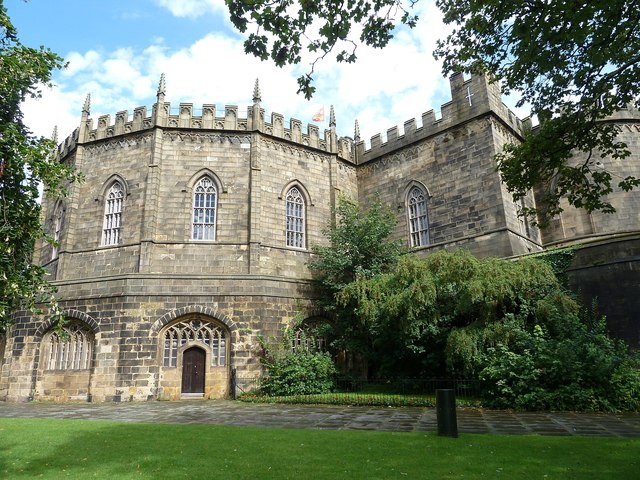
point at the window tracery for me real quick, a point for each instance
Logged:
(295, 218)
(207, 333)
(205, 197)
(113, 207)
(57, 230)
(71, 349)
(418, 218)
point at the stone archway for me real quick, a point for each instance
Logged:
(194, 352)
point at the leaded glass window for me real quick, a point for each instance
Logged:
(418, 220)
(295, 221)
(205, 197)
(57, 229)
(70, 349)
(207, 333)
(113, 215)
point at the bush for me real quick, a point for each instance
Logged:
(587, 371)
(296, 371)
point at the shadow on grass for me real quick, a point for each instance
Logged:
(35, 448)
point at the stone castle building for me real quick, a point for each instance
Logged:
(190, 234)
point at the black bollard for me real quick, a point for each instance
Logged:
(446, 413)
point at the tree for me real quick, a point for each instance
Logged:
(412, 309)
(26, 163)
(359, 247)
(574, 62)
(284, 28)
(508, 324)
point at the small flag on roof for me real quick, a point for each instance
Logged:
(319, 115)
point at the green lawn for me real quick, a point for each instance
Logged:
(37, 448)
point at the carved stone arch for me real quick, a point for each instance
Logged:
(191, 309)
(410, 185)
(416, 214)
(59, 203)
(205, 172)
(300, 186)
(82, 317)
(110, 181)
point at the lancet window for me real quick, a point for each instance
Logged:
(113, 207)
(57, 230)
(207, 333)
(205, 197)
(417, 216)
(295, 218)
(70, 349)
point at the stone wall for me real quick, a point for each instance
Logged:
(607, 271)
(247, 281)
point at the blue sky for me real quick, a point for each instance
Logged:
(117, 50)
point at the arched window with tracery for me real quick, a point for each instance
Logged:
(418, 218)
(70, 349)
(57, 230)
(295, 218)
(209, 334)
(205, 197)
(113, 207)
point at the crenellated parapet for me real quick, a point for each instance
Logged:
(208, 117)
(470, 99)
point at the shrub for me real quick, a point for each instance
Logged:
(296, 371)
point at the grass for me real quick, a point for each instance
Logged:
(51, 449)
(375, 399)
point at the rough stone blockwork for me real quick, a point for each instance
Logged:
(189, 238)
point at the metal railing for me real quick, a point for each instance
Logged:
(354, 391)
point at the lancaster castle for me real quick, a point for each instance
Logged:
(190, 234)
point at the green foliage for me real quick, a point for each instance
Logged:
(575, 63)
(26, 163)
(359, 248)
(559, 260)
(411, 310)
(509, 323)
(582, 370)
(316, 26)
(295, 371)
(359, 245)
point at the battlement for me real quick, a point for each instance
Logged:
(470, 98)
(208, 118)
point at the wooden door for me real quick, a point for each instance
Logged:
(193, 362)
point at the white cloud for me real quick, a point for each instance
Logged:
(383, 89)
(192, 8)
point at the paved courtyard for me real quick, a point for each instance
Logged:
(225, 412)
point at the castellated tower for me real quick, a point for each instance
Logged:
(190, 235)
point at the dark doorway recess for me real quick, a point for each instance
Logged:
(193, 361)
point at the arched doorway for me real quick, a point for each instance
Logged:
(193, 371)
(194, 352)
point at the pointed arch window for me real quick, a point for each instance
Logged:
(205, 198)
(207, 333)
(295, 218)
(57, 230)
(113, 215)
(418, 218)
(71, 350)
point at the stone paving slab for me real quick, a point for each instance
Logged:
(225, 412)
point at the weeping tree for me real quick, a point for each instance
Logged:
(509, 324)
